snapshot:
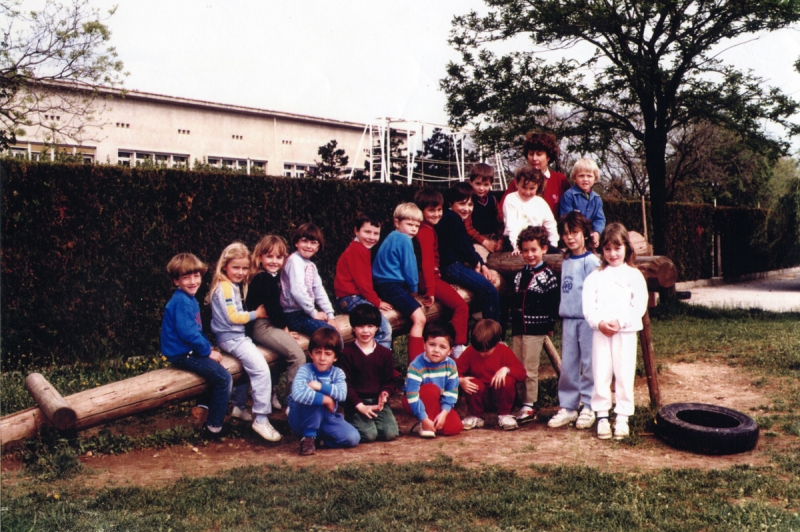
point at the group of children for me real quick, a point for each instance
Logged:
(270, 296)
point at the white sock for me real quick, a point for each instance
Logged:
(214, 430)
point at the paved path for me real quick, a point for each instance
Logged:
(779, 293)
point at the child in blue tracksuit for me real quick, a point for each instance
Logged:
(576, 383)
(316, 392)
(581, 198)
(183, 342)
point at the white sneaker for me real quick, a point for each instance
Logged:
(562, 418)
(472, 422)
(417, 429)
(242, 414)
(621, 429)
(603, 429)
(507, 422)
(275, 403)
(266, 431)
(585, 420)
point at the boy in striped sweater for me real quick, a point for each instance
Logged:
(316, 391)
(432, 384)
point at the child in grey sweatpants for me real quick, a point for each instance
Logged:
(575, 385)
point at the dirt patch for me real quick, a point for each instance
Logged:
(534, 443)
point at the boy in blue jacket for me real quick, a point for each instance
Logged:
(581, 198)
(183, 342)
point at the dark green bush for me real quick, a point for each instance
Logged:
(84, 246)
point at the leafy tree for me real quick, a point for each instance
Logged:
(333, 162)
(653, 70)
(440, 156)
(52, 62)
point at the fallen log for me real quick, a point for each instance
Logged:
(53, 405)
(161, 387)
(659, 272)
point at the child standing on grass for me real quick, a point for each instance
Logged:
(395, 275)
(534, 312)
(369, 371)
(484, 225)
(460, 263)
(576, 384)
(432, 384)
(614, 301)
(264, 290)
(431, 203)
(581, 198)
(488, 373)
(316, 392)
(525, 208)
(301, 287)
(183, 342)
(353, 281)
(228, 318)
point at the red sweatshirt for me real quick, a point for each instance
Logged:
(354, 274)
(429, 246)
(472, 364)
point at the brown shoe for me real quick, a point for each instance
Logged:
(200, 415)
(307, 446)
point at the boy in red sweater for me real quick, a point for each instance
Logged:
(432, 287)
(488, 373)
(352, 283)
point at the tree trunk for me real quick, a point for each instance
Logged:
(655, 154)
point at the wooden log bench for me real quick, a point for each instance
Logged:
(158, 388)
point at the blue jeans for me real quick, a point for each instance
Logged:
(480, 287)
(301, 322)
(384, 334)
(218, 380)
(312, 421)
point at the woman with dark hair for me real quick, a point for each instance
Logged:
(541, 149)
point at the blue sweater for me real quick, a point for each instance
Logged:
(182, 329)
(590, 205)
(574, 271)
(333, 385)
(396, 262)
(454, 242)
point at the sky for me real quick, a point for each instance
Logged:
(353, 60)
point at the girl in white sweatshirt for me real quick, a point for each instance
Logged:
(614, 301)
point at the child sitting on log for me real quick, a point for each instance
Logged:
(183, 342)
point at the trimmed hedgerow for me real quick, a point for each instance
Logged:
(84, 246)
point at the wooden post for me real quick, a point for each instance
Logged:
(53, 405)
(648, 355)
(552, 354)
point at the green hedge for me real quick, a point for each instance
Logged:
(84, 246)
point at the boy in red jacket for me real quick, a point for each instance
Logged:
(432, 287)
(488, 372)
(352, 283)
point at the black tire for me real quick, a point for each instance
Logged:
(706, 429)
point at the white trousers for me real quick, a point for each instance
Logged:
(256, 367)
(613, 357)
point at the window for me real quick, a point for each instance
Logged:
(124, 158)
(296, 169)
(287, 142)
(180, 160)
(143, 158)
(236, 137)
(183, 132)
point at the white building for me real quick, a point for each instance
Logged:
(135, 127)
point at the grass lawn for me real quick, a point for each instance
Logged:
(438, 494)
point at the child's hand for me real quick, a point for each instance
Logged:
(427, 424)
(261, 312)
(490, 245)
(328, 403)
(292, 334)
(438, 421)
(499, 379)
(467, 385)
(595, 238)
(215, 356)
(515, 252)
(608, 328)
(427, 301)
(319, 315)
(383, 398)
(315, 385)
(367, 411)
(385, 306)
(332, 323)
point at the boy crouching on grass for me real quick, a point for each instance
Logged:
(432, 384)
(369, 370)
(316, 391)
(489, 372)
(183, 342)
